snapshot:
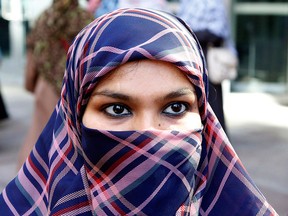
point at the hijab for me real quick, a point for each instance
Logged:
(75, 170)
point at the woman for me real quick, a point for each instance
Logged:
(47, 46)
(133, 133)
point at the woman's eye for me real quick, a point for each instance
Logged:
(117, 110)
(177, 108)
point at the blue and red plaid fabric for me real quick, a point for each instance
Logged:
(140, 172)
(74, 170)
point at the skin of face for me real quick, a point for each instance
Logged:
(143, 95)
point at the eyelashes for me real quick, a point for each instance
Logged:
(175, 109)
(119, 110)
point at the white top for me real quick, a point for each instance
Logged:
(154, 4)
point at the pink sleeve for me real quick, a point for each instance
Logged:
(93, 5)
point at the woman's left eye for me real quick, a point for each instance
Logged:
(117, 110)
(176, 108)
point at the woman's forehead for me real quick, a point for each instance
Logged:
(145, 77)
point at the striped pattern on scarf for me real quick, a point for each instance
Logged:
(56, 179)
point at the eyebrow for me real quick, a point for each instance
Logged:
(111, 94)
(171, 95)
(180, 92)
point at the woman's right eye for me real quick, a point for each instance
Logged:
(117, 110)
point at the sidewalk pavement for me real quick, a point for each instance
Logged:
(257, 126)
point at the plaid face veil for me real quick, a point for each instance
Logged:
(74, 170)
(140, 172)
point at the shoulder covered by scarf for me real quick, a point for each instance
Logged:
(64, 175)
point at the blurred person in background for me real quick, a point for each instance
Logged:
(47, 46)
(151, 4)
(100, 7)
(3, 111)
(209, 20)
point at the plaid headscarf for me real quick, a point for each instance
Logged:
(74, 170)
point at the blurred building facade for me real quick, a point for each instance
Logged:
(260, 31)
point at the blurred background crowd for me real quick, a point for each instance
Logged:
(255, 103)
